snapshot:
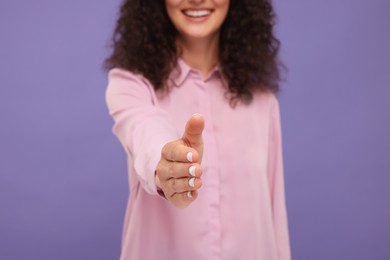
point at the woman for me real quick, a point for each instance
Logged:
(217, 191)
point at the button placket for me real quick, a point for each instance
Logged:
(212, 186)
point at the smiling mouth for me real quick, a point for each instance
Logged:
(197, 13)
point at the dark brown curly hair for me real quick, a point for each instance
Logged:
(144, 42)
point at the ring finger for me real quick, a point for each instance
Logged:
(184, 184)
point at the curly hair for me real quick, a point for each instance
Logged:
(144, 42)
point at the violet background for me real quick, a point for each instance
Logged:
(63, 180)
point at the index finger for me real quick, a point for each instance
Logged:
(178, 152)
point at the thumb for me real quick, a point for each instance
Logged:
(193, 132)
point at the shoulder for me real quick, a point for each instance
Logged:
(126, 84)
(122, 76)
(267, 100)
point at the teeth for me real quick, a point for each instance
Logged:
(197, 13)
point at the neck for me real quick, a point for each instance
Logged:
(200, 54)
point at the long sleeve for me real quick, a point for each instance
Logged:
(276, 183)
(140, 125)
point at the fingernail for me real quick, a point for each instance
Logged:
(189, 156)
(191, 182)
(189, 195)
(192, 170)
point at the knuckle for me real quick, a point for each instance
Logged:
(174, 184)
(171, 169)
(159, 168)
(168, 151)
(164, 150)
(162, 171)
(171, 154)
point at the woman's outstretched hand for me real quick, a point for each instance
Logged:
(178, 171)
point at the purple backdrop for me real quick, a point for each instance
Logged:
(63, 182)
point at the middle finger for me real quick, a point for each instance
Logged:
(181, 170)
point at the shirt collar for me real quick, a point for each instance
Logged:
(180, 73)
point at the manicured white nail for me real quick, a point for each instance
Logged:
(192, 170)
(191, 182)
(189, 156)
(189, 195)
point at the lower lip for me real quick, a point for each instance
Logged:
(197, 19)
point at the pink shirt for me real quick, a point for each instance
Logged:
(240, 212)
